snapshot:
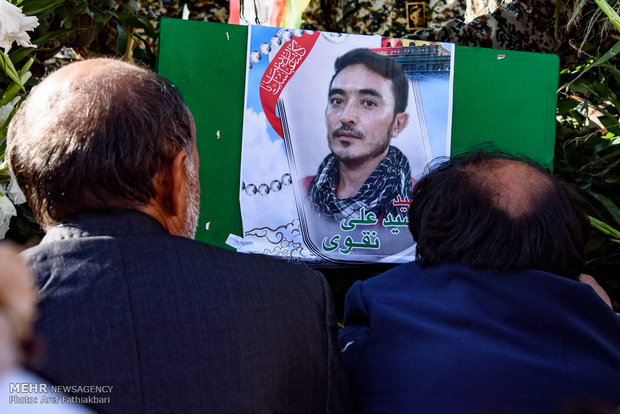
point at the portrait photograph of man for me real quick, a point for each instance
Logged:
(359, 117)
(366, 107)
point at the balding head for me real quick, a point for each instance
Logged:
(495, 211)
(92, 136)
(514, 187)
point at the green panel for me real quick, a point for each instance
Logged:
(507, 98)
(504, 97)
(207, 63)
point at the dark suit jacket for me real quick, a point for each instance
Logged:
(175, 325)
(451, 339)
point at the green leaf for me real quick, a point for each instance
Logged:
(583, 87)
(615, 49)
(132, 21)
(51, 35)
(604, 228)
(9, 69)
(40, 8)
(565, 105)
(10, 93)
(140, 55)
(98, 17)
(21, 53)
(609, 205)
(121, 41)
(611, 123)
(610, 12)
(14, 88)
(26, 67)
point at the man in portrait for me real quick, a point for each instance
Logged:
(365, 110)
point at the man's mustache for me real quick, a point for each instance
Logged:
(348, 130)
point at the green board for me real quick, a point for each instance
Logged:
(213, 89)
(506, 98)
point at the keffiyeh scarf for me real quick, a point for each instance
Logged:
(392, 178)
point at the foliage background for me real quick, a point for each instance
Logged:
(587, 152)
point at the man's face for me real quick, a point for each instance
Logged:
(192, 189)
(360, 115)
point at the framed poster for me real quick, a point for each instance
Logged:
(337, 128)
(502, 97)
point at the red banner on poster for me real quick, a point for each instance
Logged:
(280, 70)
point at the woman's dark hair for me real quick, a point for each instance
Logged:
(461, 212)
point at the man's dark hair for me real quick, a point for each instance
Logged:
(495, 211)
(381, 65)
(94, 142)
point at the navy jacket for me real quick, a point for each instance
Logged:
(175, 325)
(449, 339)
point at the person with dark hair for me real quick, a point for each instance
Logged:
(491, 316)
(365, 110)
(106, 155)
(521, 224)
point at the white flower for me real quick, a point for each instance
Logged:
(7, 210)
(11, 188)
(14, 25)
(5, 111)
(13, 191)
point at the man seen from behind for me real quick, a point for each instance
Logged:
(105, 153)
(491, 317)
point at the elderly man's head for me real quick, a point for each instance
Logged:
(366, 103)
(100, 135)
(498, 212)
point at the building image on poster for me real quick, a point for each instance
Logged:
(356, 133)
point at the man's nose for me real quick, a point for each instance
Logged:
(349, 114)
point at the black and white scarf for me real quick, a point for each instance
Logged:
(390, 179)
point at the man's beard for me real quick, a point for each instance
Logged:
(374, 151)
(192, 211)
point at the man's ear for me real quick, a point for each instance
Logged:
(177, 186)
(399, 123)
(169, 204)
